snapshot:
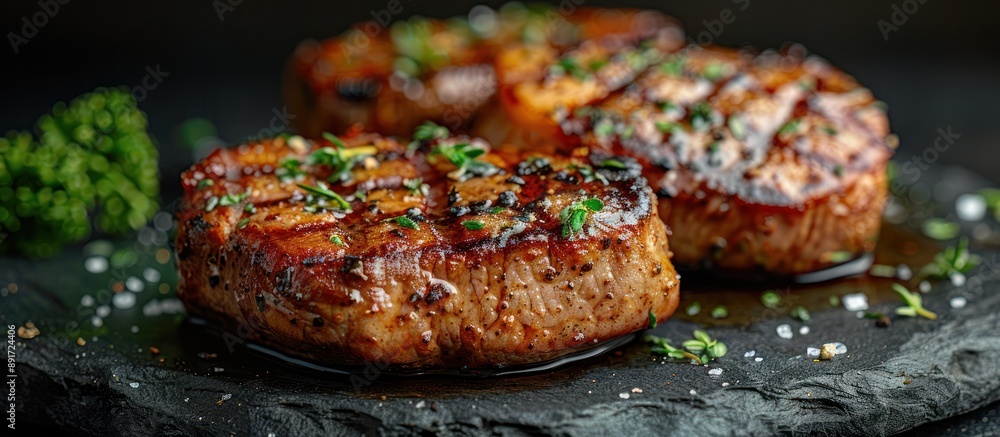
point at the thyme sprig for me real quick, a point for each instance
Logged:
(952, 261)
(914, 304)
(700, 350)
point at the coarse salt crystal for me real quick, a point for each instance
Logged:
(785, 331)
(855, 302)
(958, 302)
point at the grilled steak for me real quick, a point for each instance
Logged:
(765, 164)
(436, 254)
(772, 163)
(391, 80)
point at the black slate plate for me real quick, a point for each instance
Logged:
(199, 381)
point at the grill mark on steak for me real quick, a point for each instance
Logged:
(406, 294)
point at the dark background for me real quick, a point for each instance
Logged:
(939, 69)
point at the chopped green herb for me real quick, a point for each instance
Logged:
(700, 350)
(473, 225)
(416, 186)
(834, 301)
(953, 260)
(992, 197)
(613, 163)
(339, 158)
(693, 309)
(800, 313)
(321, 191)
(290, 168)
(594, 204)
(212, 203)
(232, 199)
(573, 216)
(243, 223)
(661, 346)
(704, 346)
(829, 130)
(941, 229)
(604, 129)
(914, 304)
(667, 127)
(712, 148)
(335, 239)
(404, 221)
(665, 105)
(737, 126)
(701, 114)
(590, 175)
(361, 195)
(673, 66)
(430, 131)
(652, 320)
(838, 171)
(882, 271)
(496, 210)
(720, 312)
(598, 64)
(713, 71)
(840, 256)
(205, 183)
(771, 299)
(250, 208)
(569, 65)
(463, 157)
(789, 128)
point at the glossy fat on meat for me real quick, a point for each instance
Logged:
(517, 291)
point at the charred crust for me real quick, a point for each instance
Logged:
(261, 303)
(435, 292)
(318, 322)
(516, 180)
(565, 177)
(480, 206)
(507, 199)
(534, 166)
(351, 262)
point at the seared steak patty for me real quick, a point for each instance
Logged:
(771, 163)
(389, 80)
(439, 253)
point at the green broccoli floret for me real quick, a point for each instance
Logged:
(91, 166)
